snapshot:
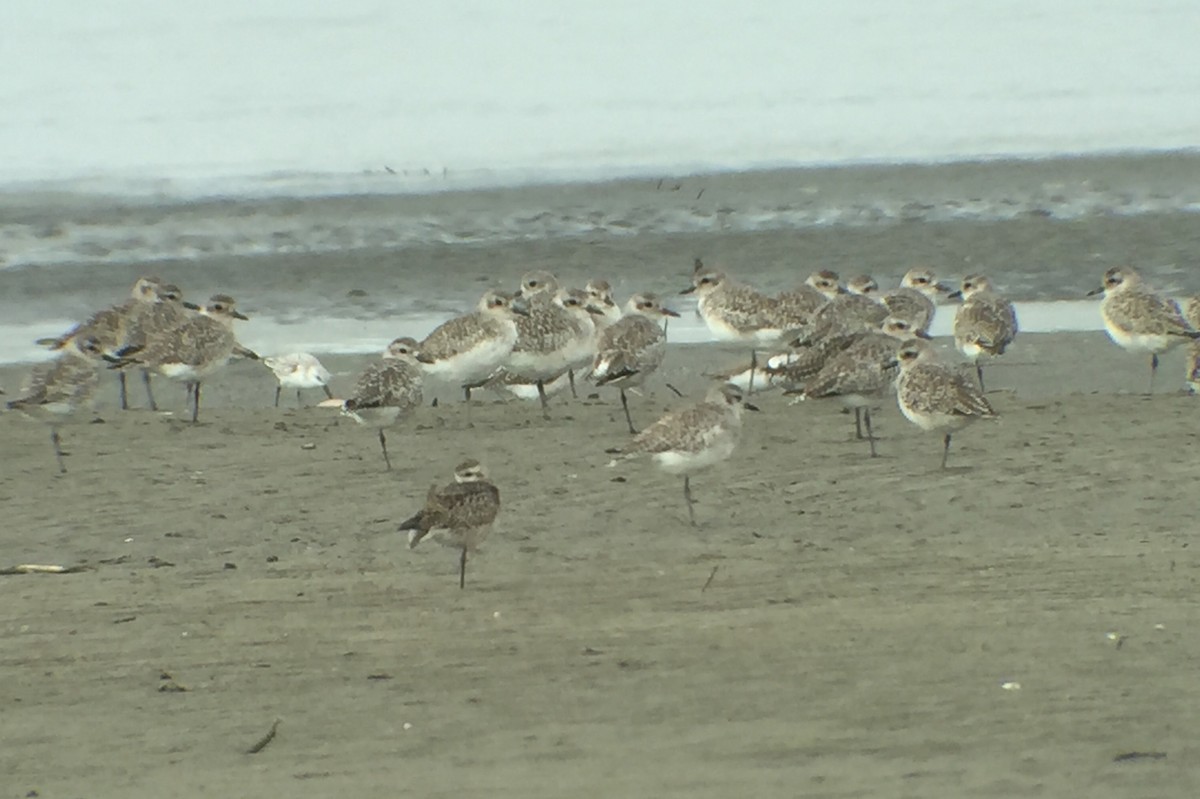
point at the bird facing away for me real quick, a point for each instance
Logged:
(465, 509)
(864, 371)
(196, 348)
(934, 396)
(916, 299)
(985, 323)
(1138, 318)
(58, 390)
(298, 370)
(692, 438)
(632, 348)
(385, 390)
(469, 348)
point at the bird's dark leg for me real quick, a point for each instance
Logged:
(687, 497)
(328, 393)
(121, 390)
(541, 384)
(870, 432)
(571, 380)
(462, 569)
(979, 374)
(149, 392)
(58, 454)
(1153, 369)
(753, 369)
(625, 405)
(858, 423)
(195, 401)
(299, 401)
(278, 391)
(383, 446)
(945, 449)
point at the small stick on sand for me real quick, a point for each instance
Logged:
(262, 742)
(708, 582)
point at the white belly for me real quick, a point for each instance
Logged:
(473, 365)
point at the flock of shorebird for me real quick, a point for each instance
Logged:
(823, 339)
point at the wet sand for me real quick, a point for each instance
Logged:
(838, 626)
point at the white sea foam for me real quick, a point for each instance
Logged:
(267, 335)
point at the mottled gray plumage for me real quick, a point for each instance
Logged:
(56, 391)
(733, 311)
(934, 396)
(386, 390)
(985, 323)
(196, 347)
(916, 297)
(1139, 319)
(796, 307)
(692, 438)
(855, 311)
(632, 348)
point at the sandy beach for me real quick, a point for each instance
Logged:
(1019, 625)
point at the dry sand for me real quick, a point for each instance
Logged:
(860, 624)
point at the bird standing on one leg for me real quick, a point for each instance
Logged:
(465, 509)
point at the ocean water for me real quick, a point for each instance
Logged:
(140, 132)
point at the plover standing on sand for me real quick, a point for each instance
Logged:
(465, 509)
(555, 337)
(1139, 319)
(863, 372)
(985, 323)
(196, 348)
(933, 396)
(298, 370)
(148, 321)
(692, 438)
(385, 391)
(629, 350)
(468, 349)
(58, 390)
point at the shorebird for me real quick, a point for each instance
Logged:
(469, 349)
(556, 336)
(299, 370)
(1139, 319)
(629, 350)
(196, 348)
(465, 509)
(733, 311)
(863, 372)
(797, 306)
(58, 390)
(385, 390)
(600, 296)
(985, 323)
(916, 299)
(934, 396)
(692, 438)
(855, 311)
(109, 328)
(148, 321)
